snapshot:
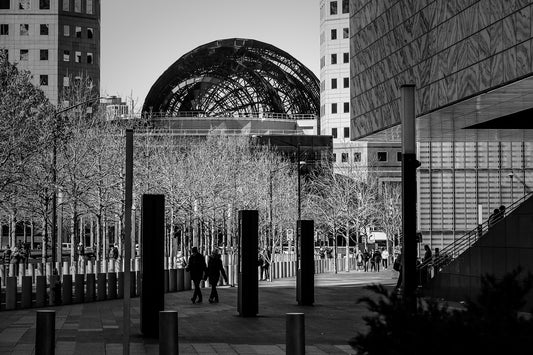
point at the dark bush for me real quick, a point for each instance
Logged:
(491, 324)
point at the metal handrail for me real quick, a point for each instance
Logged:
(222, 131)
(460, 245)
(252, 115)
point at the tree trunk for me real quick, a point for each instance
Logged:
(335, 247)
(98, 238)
(32, 234)
(13, 229)
(347, 237)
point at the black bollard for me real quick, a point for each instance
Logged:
(45, 333)
(247, 302)
(306, 274)
(168, 333)
(295, 334)
(152, 284)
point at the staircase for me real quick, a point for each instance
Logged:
(495, 248)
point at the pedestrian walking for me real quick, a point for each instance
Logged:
(214, 269)
(385, 258)
(7, 255)
(196, 266)
(359, 260)
(377, 259)
(366, 258)
(397, 266)
(493, 218)
(265, 266)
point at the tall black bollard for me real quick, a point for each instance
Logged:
(306, 273)
(247, 301)
(152, 286)
(168, 334)
(45, 332)
(295, 334)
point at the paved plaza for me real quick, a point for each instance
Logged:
(96, 328)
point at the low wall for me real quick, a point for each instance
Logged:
(41, 284)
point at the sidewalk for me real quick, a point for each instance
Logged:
(95, 328)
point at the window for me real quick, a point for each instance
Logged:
(333, 8)
(89, 58)
(90, 7)
(333, 34)
(77, 57)
(334, 58)
(4, 29)
(357, 157)
(345, 6)
(24, 54)
(346, 82)
(90, 33)
(346, 132)
(4, 4)
(382, 156)
(24, 29)
(398, 156)
(77, 5)
(346, 57)
(333, 108)
(66, 30)
(43, 80)
(43, 54)
(4, 53)
(66, 81)
(334, 132)
(66, 55)
(322, 86)
(66, 5)
(334, 83)
(78, 32)
(344, 157)
(322, 62)
(346, 32)
(44, 30)
(24, 4)
(346, 107)
(44, 4)
(334, 157)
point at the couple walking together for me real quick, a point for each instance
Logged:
(199, 271)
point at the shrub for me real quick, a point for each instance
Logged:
(488, 325)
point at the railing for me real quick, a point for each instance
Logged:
(221, 131)
(252, 115)
(460, 245)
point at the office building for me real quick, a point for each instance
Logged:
(57, 41)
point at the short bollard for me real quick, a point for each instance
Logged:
(168, 332)
(45, 332)
(295, 334)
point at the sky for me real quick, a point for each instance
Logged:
(141, 39)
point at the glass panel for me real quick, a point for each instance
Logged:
(77, 5)
(44, 4)
(24, 4)
(24, 54)
(90, 7)
(66, 5)
(24, 29)
(333, 8)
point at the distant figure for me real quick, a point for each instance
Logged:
(366, 258)
(501, 212)
(7, 255)
(196, 267)
(493, 218)
(115, 251)
(398, 267)
(376, 258)
(214, 269)
(359, 260)
(427, 253)
(385, 258)
(265, 255)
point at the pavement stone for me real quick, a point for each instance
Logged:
(96, 328)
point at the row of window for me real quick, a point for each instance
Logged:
(333, 9)
(345, 33)
(44, 29)
(333, 59)
(24, 55)
(380, 156)
(333, 85)
(24, 4)
(345, 107)
(346, 132)
(45, 5)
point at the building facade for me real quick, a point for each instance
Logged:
(335, 98)
(471, 64)
(57, 41)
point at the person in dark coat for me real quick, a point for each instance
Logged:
(196, 267)
(214, 269)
